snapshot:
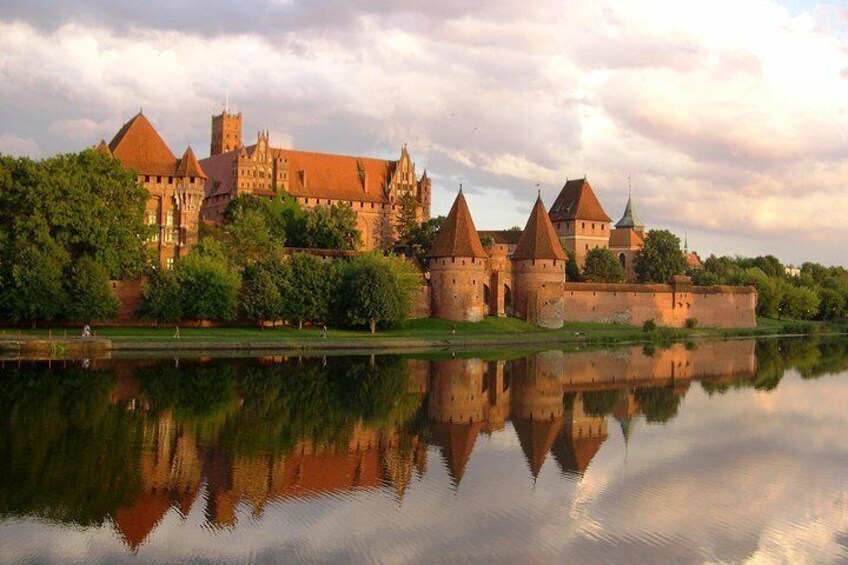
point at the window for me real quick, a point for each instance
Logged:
(169, 263)
(583, 225)
(151, 217)
(622, 259)
(169, 218)
(593, 225)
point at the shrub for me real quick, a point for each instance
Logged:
(649, 326)
(691, 323)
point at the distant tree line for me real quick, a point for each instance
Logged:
(819, 293)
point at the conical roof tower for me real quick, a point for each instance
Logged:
(539, 239)
(458, 236)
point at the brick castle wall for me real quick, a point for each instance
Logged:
(714, 306)
(538, 295)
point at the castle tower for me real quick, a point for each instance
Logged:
(627, 239)
(457, 268)
(539, 271)
(226, 133)
(579, 219)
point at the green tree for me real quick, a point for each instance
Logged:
(769, 292)
(376, 290)
(660, 258)
(831, 305)
(421, 239)
(161, 298)
(34, 289)
(208, 288)
(799, 302)
(407, 218)
(572, 269)
(90, 296)
(331, 227)
(260, 298)
(308, 290)
(249, 238)
(602, 267)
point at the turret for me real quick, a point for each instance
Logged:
(457, 268)
(539, 271)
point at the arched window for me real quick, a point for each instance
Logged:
(622, 259)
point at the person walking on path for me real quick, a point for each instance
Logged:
(176, 332)
(323, 331)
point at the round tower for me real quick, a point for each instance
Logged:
(458, 268)
(539, 271)
(457, 393)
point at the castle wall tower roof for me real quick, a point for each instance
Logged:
(189, 166)
(539, 239)
(577, 201)
(138, 145)
(458, 237)
(103, 148)
(630, 219)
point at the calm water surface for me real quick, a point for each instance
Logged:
(720, 452)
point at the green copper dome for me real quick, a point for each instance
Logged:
(630, 219)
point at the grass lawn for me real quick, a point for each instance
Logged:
(414, 333)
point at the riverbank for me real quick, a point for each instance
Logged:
(415, 335)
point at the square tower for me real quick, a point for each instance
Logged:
(226, 133)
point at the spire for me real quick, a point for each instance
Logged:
(685, 242)
(458, 236)
(630, 219)
(539, 239)
(188, 166)
(103, 148)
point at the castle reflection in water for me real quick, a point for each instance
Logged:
(128, 441)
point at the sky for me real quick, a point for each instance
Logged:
(728, 120)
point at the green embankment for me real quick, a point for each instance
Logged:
(415, 334)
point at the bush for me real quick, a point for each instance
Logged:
(691, 323)
(649, 326)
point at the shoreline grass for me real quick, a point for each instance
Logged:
(420, 334)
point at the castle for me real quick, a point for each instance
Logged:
(518, 274)
(527, 280)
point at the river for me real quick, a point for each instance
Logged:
(731, 452)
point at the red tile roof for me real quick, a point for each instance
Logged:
(138, 146)
(103, 148)
(626, 238)
(577, 201)
(339, 177)
(189, 167)
(457, 237)
(539, 239)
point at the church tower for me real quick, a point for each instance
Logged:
(226, 132)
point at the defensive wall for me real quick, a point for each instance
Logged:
(668, 305)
